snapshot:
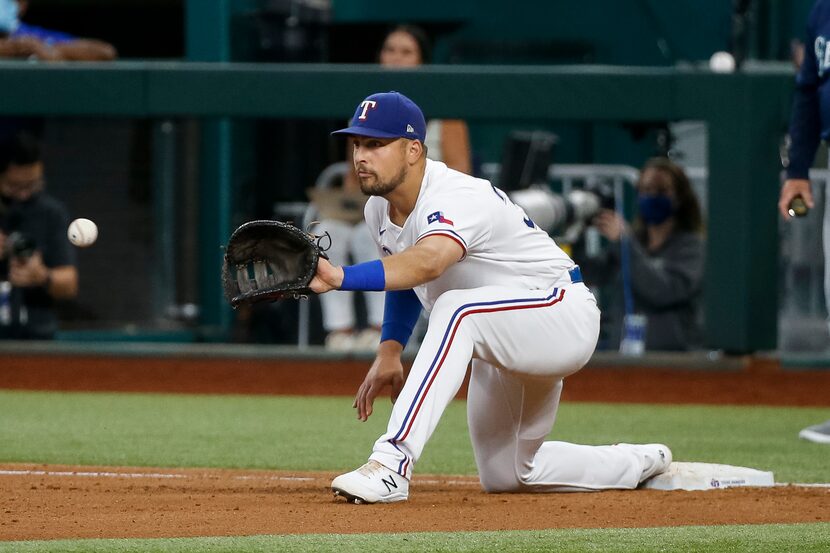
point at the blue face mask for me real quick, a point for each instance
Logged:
(8, 17)
(655, 209)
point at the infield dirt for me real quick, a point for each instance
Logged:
(133, 503)
(52, 502)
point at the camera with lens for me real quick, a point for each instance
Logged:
(565, 215)
(19, 246)
(524, 175)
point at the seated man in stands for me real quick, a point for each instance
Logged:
(20, 40)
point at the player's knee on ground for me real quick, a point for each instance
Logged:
(495, 479)
(498, 472)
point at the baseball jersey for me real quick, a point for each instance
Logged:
(810, 118)
(502, 246)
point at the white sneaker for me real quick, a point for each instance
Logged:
(657, 458)
(340, 341)
(367, 340)
(818, 433)
(371, 483)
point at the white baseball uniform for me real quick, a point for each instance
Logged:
(510, 306)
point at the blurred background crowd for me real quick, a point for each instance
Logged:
(628, 200)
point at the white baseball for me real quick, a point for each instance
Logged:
(82, 232)
(722, 62)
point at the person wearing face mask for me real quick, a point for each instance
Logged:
(37, 262)
(665, 257)
(21, 40)
(447, 140)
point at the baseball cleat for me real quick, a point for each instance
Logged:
(818, 433)
(371, 483)
(656, 458)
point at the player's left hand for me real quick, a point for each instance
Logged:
(387, 370)
(328, 277)
(28, 272)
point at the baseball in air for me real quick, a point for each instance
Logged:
(722, 62)
(82, 232)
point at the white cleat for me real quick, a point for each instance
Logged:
(818, 433)
(371, 483)
(657, 458)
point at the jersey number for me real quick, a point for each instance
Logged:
(503, 197)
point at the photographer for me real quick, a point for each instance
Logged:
(37, 263)
(665, 255)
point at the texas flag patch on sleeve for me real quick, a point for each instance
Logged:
(438, 217)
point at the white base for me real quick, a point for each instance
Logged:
(707, 476)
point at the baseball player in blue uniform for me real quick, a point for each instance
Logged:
(809, 125)
(499, 293)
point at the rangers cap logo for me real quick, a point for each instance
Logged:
(387, 115)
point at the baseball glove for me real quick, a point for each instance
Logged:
(269, 261)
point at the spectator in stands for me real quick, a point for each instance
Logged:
(665, 253)
(405, 46)
(37, 263)
(808, 127)
(21, 40)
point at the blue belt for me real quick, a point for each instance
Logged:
(576, 274)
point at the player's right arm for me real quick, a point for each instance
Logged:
(420, 263)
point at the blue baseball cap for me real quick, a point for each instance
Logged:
(387, 115)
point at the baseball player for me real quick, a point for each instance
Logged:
(809, 125)
(499, 292)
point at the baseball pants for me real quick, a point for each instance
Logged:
(825, 235)
(522, 344)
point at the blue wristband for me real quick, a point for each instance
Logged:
(369, 276)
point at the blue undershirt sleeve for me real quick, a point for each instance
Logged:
(400, 313)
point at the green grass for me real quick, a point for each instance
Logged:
(181, 430)
(305, 433)
(804, 538)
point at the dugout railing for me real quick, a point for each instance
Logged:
(745, 112)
